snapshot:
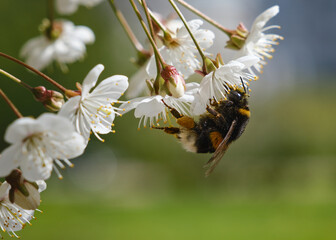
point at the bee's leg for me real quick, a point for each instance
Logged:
(173, 111)
(215, 113)
(213, 102)
(183, 121)
(169, 130)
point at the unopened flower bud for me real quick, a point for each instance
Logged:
(174, 82)
(238, 37)
(52, 100)
(23, 193)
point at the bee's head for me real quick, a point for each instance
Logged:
(238, 97)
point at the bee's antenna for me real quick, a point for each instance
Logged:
(241, 79)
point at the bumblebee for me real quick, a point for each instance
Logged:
(223, 123)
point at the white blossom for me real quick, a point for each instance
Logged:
(181, 52)
(217, 83)
(38, 144)
(70, 6)
(259, 43)
(67, 47)
(94, 111)
(152, 109)
(13, 218)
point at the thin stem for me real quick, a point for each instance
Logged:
(154, 18)
(150, 24)
(51, 17)
(206, 18)
(53, 82)
(188, 29)
(122, 20)
(15, 79)
(156, 50)
(149, 20)
(10, 104)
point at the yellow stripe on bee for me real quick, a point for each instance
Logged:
(244, 112)
(186, 122)
(216, 138)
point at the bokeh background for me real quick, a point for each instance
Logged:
(276, 182)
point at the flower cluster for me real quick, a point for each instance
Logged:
(184, 46)
(177, 70)
(47, 143)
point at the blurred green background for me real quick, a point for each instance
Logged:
(276, 182)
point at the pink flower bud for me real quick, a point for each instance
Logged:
(52, 100)
(238, 37)
(174, 82)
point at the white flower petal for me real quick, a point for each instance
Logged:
(42, 185)
(91, 79)
(66, 7)
(20, 129)
(149, 107)
(10, 158)
(264, 17)
(4, 188)
(84, 34)
(111, 88)
(36, 167)
(70, 108)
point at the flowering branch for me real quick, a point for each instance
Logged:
(151, 29)
(151, 40)
(10, 104)
(122, 20)
(53, 82)
(188, 29)
(154, 18)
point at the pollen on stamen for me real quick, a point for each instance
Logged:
(113, 131)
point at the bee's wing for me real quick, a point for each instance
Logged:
(220, 151)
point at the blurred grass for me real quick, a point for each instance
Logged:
(191, 217)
